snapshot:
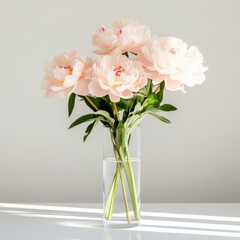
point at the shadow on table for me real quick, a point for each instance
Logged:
(89, 219)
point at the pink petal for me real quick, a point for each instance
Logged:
(96, 90)
(82, 87)
(113, 97)
(127, 94)
(173, 85)
(69, 81)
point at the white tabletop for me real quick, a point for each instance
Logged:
(84, 222)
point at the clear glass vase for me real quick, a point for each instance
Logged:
(121, 177)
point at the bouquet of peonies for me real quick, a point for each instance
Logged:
(123, 85)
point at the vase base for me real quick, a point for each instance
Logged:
(120, 224)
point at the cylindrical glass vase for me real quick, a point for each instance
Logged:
(121, 177)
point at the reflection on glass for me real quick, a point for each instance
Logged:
(117, 234)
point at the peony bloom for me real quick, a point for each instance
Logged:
(67, 73)
(171, 60)
(127, 35)
(117, 76)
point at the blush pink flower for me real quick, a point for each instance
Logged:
(126, 35)
(171, 60)
(67, 73)
(117, 76)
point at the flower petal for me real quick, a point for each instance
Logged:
(96, 90)
(82, 87)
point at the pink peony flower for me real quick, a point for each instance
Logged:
(67, 73)
(117, 76)
(127, 35)
(170, 59)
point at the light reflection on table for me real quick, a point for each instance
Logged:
(84, 222)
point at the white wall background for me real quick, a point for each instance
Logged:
(196, 159)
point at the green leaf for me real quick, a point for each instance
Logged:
(100, 103)
(82, 119)
(106, 115)
(123, 104)
(114, 127)
(91, 127)
(87, 102)
(133, 103)
(167, 108)
(140, 99)
(137, 109)
(151, 100)
(133, 121)
(146, 90)
(161, 118)
(140, 94)
(136, 123)
(149, 87)
(125, 116)
(71, 103)
(130, 121)
(160, 93)
(129, 139)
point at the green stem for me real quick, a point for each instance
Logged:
(124, 195)
(111, 196)
(121, 153)
(131, 184)
(91, 103)
(116, 111)
(112, 193)
(135, 198)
